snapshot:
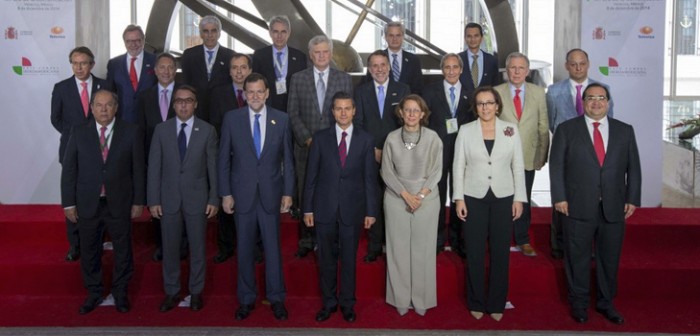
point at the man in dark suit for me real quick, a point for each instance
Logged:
(131, 73)
(376, 101)
(102, 187)
(309, 111)
(405, 66)
(70, 106)
(485, 71)
(206, 66)
(226, 98)
(182, 192)
(279, 62)
(596, 182)
(448, 101)
(564, 102)
(340, 197)
(256, 180)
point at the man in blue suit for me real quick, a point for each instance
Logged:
(564, 102)
(70, 106)
(256, 182)
(340, 197)
(485, 71)
(131, 73)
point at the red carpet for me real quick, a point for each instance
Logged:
(659, 289)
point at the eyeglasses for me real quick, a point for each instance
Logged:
(138, 41)
(595, 98)
(186, 101)
(485, 103)
(416, 111)
(80, 64)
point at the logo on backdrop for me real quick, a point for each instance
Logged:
(599, 33)
(57, 33)
(11, 33)
(613, 69)
(646, 32)
(27, 68)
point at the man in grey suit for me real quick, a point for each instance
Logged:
(564, 102)
(309, 107)
(182, 192)
(596, 181)
(256, 181)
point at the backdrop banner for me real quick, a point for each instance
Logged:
(624, 40)
(39, 34)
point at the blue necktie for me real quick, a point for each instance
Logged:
(182, 141)
(320, 91)
(453, 107)
(278, 71)
(380, 98)
(395, 71)
(256, 135)
(209, 66)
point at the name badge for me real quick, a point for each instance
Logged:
(281, 85)
(451, 125)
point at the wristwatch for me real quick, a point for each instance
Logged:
(421, 196)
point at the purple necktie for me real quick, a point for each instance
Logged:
(579, 100)
(164, 104)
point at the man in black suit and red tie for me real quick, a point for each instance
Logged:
(103, 185)
(485, 71)
(70, 106)
(596, 184)
(340, 197)
(279, 62)
(206, 66)
(405, 66)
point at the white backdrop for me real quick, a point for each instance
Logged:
(625, 44)
(39, 34)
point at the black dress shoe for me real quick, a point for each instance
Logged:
(325, 313)
(612, 315)
(221, 257)
(348, 314)
(279, 311)
(371, 257)
(122, 304)
(90, 304)
(557, 254)
(196, 303)
(243, 311)
(73, 254)
(302, 252)
(170, 302)
(579, 315)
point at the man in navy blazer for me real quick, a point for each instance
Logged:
(206, 66)
(446, 116)
(131, 73)
(340, 196)
(564, 102)
(256, 181)
(279, 62)
(596, 183)
(405, 66)
(103, 187)
(486, 70)
(70, 106)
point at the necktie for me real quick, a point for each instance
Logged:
(132, 74)
(395, 70)
(518, 104)
(164, 104)
(343, 149)
(598, 143)
(239, 97)
(453, 107)
(320, 91)
(84, 98)
(104, 148)
(278, 66)
(380, 100)
(475, 71)
(209, 64)
(579, 100)
(182, 141)
(256, 135)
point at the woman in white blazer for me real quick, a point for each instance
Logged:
(489, 192)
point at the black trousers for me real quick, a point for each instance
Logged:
(579, 238)
(556, 239)
(454, 225)
(489, 221)
(337, 242)
(521, 226)
(226, 233)
(91, 230)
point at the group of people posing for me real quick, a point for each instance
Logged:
(245, 139)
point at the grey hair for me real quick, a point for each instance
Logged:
(395, 24)
(208, 20)
(448, 55)
(318, 39)
(516, 54)
(283, 19)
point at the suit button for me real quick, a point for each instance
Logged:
(489, 177)
(104, 171)
(489, 162)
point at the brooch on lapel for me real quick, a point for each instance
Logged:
(221, 63)
(508, 131)
(196, 129)
(294, 58)
(393, 94)
(273, 122)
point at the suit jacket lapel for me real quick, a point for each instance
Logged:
(117, 135)
(146, 68)
(270, 126)
(587, 141)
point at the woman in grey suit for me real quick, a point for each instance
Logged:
(489, 191)
(411, 169)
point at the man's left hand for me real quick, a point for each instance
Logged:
(369, 221)
(629, 210)
(136, 211)
(211, 211)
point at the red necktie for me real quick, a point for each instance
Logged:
(105, 150)
(343, 150)
(598, 143)
(84, 98)
(518, 104)
(239, 97)
(132, 74)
